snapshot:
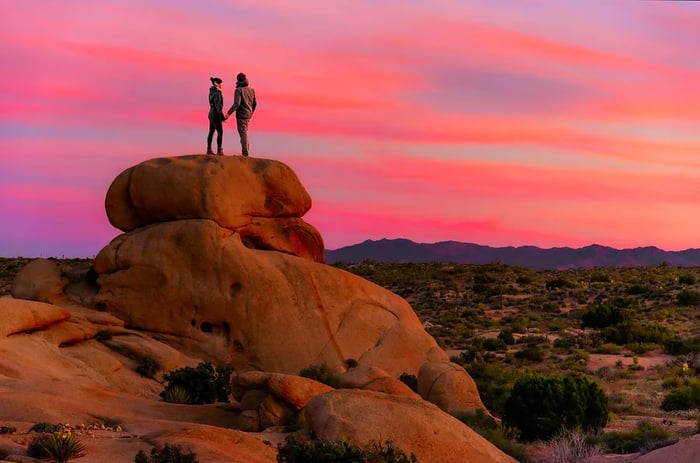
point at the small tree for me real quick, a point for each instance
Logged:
(541, 407)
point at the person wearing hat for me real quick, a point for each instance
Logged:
(216, 115)
(244, 104)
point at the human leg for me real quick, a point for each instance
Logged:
(243, 132)
(219, 137)
(212, 127)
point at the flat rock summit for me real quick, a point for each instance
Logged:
(215, 263)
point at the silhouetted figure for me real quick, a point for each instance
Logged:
(244, 104)
(216, 115)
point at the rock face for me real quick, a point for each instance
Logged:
(414, 425)
(261, 199)
(262, 310)
(217, 257)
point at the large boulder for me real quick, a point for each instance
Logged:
(263, 310)
(438, 381)
(39, 280)
(414, 425)
(235, 192)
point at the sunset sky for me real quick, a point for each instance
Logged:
(539, 122)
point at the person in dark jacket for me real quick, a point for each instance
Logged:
(244, 104)
(216, 115)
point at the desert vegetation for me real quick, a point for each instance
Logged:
(631, 336)
(632, 332)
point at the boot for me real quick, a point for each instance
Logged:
(209, 151)
(219, 152)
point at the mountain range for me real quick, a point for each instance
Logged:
(403, 250)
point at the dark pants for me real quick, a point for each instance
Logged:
(243, 132)
(215, 125)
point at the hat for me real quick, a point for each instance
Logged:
(240, 77)
(215, 80)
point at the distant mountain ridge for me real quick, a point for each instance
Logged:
(403, 250)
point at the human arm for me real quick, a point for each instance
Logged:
(236, 102)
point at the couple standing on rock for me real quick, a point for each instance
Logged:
(244, 104)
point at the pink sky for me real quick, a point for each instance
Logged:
(543, 123)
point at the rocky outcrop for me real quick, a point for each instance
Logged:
(196, 267)
(39, 280)
(374, 379)
(272, 399)
(261, 199)
(260, 310)
(414, 425)
(20, 316)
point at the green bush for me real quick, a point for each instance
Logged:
(489, 429)
(604, 315)
(685, 397)
(645, 437)
(298, 450)
(322, 374)
(44, 427)
(687, 279)
(148, 367)
(494, 383)
(541, 407)
(167, 454)
(506, 335)
(204, 384)
(682, 346)
(688, 297)
(531, 354)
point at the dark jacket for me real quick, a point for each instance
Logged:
(216, 104)
(244, 101)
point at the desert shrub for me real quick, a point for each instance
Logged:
(687, 279)
(672, 382)
(638, 289)
(493, 382)
(4, 453)
(541, 407)
(298, 450)
(61, 446)
(168, 453)
(549, 307)
(569, 447)
(531, 354)
(7, 429)
(600, 277)
(688, 297)
(493, 344)
(148, 366)
(646, 436)
(204, 384)
(506, 335)
(487, 427)
(682, 346)
(559, 283)
(630, 332)
(608, 348)
(322, 374)
(44, 427)
(604, 315)
(176, 395)
(410, 381)
(103, 335)
(684, 397)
